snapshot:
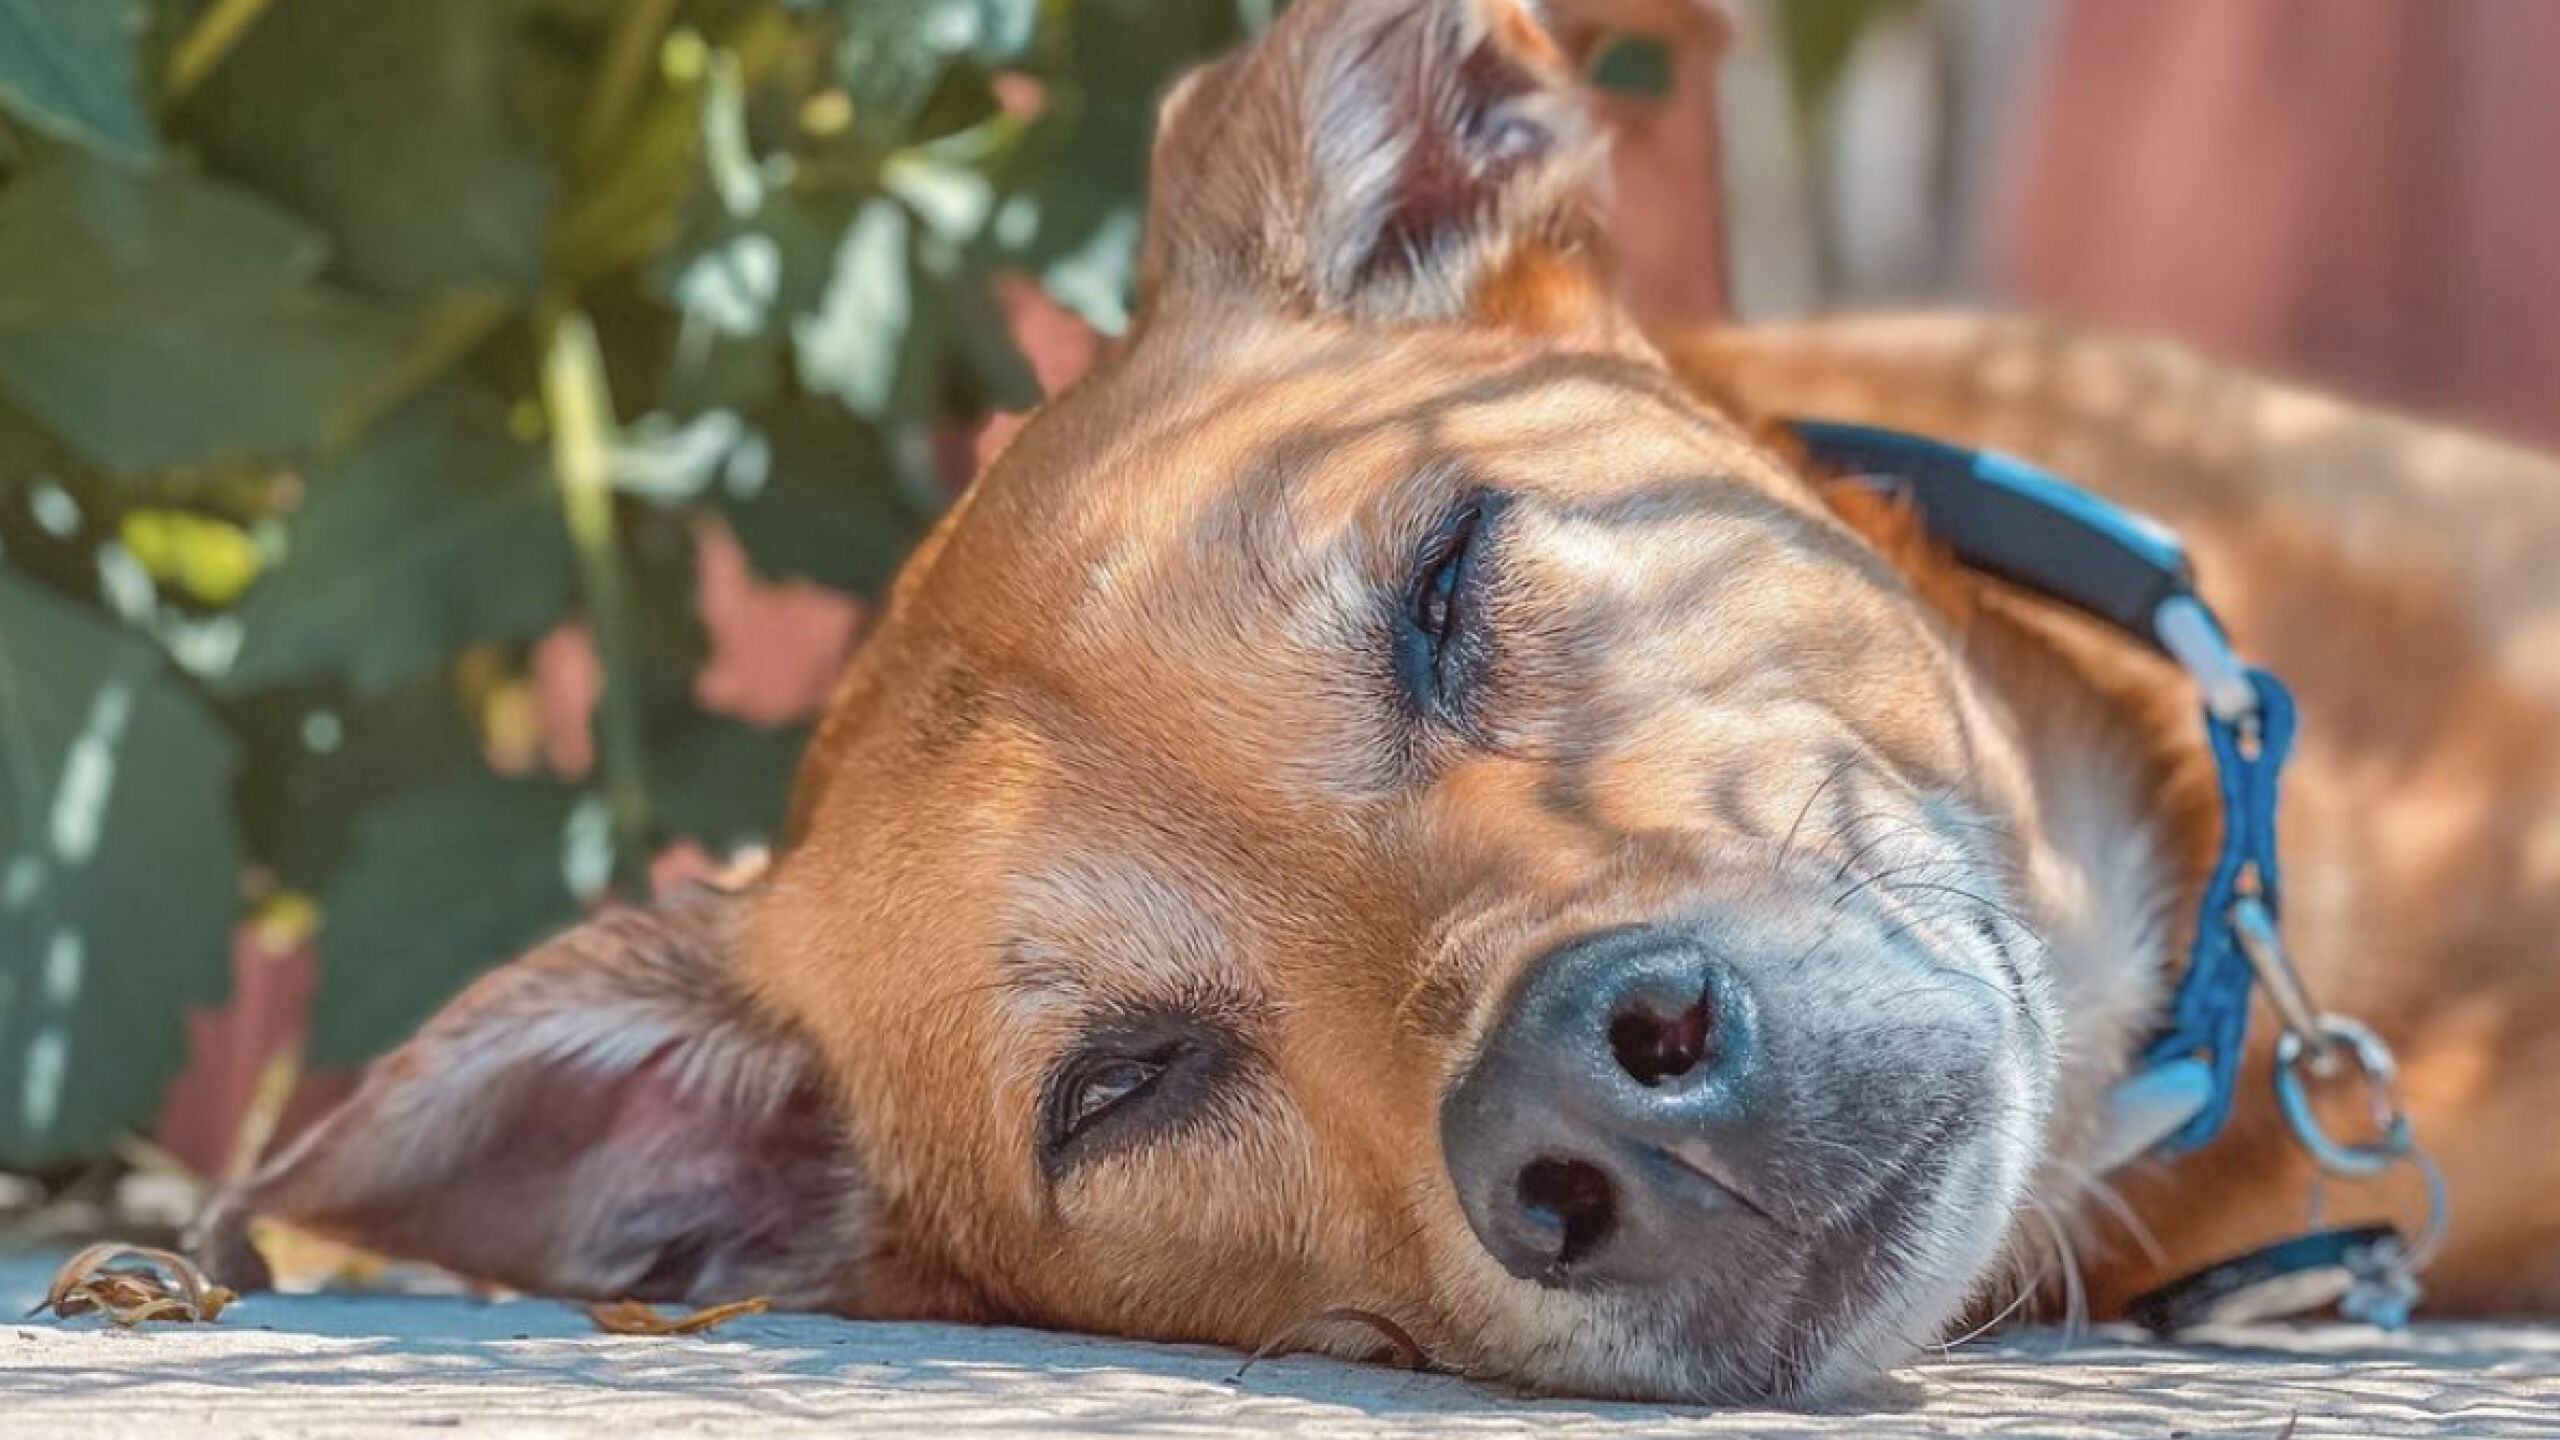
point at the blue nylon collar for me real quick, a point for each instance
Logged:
(2009, 519)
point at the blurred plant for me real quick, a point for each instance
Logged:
(348, 348)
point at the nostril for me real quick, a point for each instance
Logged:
(1653, 1049)
(1572, 1204)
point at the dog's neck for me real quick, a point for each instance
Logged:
(2123, 814)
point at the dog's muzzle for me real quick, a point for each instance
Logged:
(1744, 1137)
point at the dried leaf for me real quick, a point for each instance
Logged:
(166, 1286)
(301, 1260)
(631, 1317)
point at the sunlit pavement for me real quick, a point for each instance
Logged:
(382, 1366)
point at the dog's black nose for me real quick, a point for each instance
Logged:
(1605, 1133)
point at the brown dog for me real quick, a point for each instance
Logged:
(1393, 793)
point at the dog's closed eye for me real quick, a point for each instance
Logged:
(1128, 1079)
(1441, 647)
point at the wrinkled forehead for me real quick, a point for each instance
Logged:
(1250, 483)
(1330, 415)
(1186, 570)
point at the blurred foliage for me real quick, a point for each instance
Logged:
(1816, 41)
(348, 348)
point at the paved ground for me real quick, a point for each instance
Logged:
(381, 1367)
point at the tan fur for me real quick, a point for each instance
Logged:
(1127, 737)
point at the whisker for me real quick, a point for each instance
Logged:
(1787, 847)
(2028, 1285)
(2095, 1190)
(1988, 904)
(2075, 1293)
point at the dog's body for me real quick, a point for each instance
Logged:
(1398, 793)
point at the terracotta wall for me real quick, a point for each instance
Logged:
(2365, 192)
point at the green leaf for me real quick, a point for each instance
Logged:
(983, 340)
(851, 347)
(441, 884)
(170, 319)
(119, 874)
(738, 283)
(319, 756)
(53, 511)
(66, 67)
(722, 782)
(829, 507)
(405, 130)
(891, 54)
(438, 530)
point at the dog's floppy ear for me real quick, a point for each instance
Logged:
(609, 1116)
(1397, 160)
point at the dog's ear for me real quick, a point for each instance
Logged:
(609, 1116)
(1398, 161)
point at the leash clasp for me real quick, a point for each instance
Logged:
(2254, 926)
(2319, 1051)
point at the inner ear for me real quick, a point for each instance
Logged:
(610, 1116)
(1393, 160)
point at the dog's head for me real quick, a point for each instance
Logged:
(1378, 799)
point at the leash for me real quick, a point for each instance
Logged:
(2029, 527)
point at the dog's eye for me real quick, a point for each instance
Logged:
(1094, 1088)
(1439, 647)
(1130, 1078)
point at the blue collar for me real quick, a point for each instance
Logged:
(2028, 527)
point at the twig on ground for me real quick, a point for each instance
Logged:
(1408, 1351)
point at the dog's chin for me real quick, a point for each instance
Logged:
(1886, 1283)
(1824, 1327)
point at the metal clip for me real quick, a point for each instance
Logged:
(2316, 1050)
(2254, 925)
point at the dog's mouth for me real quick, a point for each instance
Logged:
(1860, 1297)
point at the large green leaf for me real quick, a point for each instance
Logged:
(442, 884)
(828, 506)
(319, 756)
(722, 782)
(404, 129)
(440, 529)
(51, 518)
(166, 320)
(119, 874)
(66, 66)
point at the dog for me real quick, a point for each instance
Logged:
(1401, 791)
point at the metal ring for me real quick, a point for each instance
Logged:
(2330, 1037)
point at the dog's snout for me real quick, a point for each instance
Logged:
(1594, 1138)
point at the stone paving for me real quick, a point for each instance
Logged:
(364, 1366)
